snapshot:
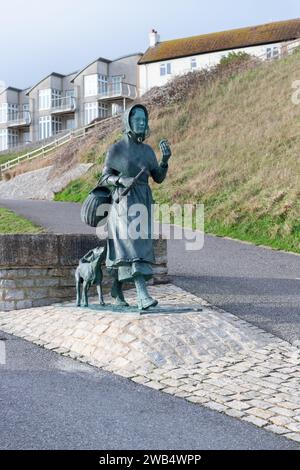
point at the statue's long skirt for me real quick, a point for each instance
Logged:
(130, 248)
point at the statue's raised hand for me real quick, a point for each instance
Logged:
(165, 150)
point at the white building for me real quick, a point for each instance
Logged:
(165, 59)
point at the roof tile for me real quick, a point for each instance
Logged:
(224, 40)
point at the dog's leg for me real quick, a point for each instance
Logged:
(100, 294)
(85, 293)
(78, 290)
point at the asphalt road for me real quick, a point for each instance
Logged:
(48, 401)
(259, 285)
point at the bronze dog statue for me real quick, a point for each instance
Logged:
(89, 272)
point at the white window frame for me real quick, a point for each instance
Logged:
(90, 85)
(116, 84)
(90, 112)
(165, 69)
(56, 125)
(45, 96)
(275, 52)
(12, 112)
(272, 52)
(116, 108)
(9, 138)
(49, 126)
(103, 110)
(3, 139)
(70, 93)
(45, 130)
(102, 85)
(94, 110)
(13, 138)
(193, 63)
(70, 124)
(56, 96)
(3, 113)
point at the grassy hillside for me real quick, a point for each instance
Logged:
(5, 157)
(13, 223)
(236, 146)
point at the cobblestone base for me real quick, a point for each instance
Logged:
(211, 358)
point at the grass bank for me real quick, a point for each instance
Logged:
(13, 223)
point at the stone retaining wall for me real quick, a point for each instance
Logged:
(39, 269)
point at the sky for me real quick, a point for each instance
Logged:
(39, 37)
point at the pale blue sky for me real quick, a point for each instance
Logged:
(38, 37)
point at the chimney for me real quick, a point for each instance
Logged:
(153, 38)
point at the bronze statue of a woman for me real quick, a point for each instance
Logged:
(131, 259)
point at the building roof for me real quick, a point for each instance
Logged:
(225, 40)
(19, 90)
(100, 59)
(127, 55)
(45, 78)
(107, 61)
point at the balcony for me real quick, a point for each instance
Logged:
(63, 105)
(111, 90)
(18, 119)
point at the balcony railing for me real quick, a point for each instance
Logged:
(19, 119)
(65, 104)
(117, 90)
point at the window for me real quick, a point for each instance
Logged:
(45, 99)
(8, 138)
(56, 126)
(3, 113)
(116, 84)
(13, 138)
(102, 85)
(70, 124)
(272, 52)
(165, 69)
(193, 63)
(90, 112)
(26, 137)
(44, 127)
(94, 110)
(91, 85)
(69, 99)
(49, 126)
(26, 113)
(55, 98)
(13, 112)
(8, 112)
(116, 108)
(70, 92)
(275, 52)
(103, 110)
(3, 139)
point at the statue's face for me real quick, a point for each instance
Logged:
(138, 121)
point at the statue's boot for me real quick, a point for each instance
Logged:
(117, 293)
(144, 300)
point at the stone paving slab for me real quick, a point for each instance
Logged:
(209, 357)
